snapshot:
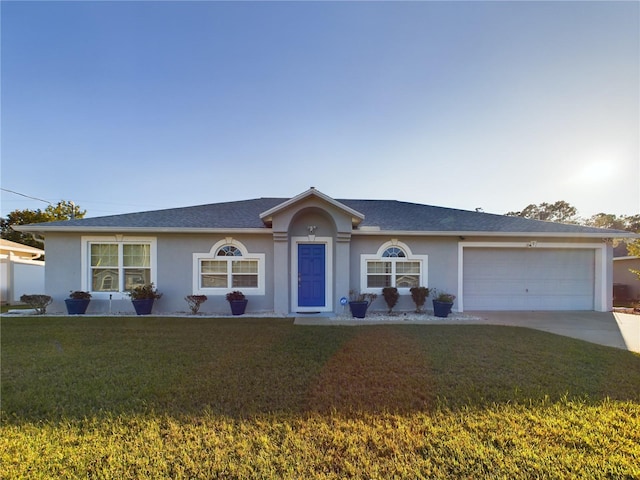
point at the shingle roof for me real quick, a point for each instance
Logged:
(388, 215)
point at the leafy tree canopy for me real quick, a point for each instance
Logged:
(559, 211)
(630, 223)
(563, 212)
(63, 210)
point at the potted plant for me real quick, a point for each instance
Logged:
(391, 296)
(442, 303)
(419, 296)
(359, 303)
(77, 302)
(195, 301)
(237, 301)
(143, 297)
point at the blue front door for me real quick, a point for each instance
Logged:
(311, 275)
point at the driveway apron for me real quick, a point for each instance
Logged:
(612, 329)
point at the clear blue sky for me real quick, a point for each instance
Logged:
(132, 106)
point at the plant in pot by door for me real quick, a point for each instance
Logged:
(77, 302)
(237, 301)
(442, 304)
(143, 297)
(359, 303)
(419, 296)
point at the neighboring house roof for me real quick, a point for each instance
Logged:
(372, 216)
(19, 249)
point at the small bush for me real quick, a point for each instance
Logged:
(39, 302)
(145, 292)
(419, 296)
(235, 296)
(195, 301)
(391, 296)
(80, 295)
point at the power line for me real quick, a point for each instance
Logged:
(26, 196)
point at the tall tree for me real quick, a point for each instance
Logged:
(63, 210)
(559, 211)
(630, 223)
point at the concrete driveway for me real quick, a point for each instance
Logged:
(612, 329)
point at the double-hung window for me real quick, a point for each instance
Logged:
(114, 266)
(393, 266)
(228, 267)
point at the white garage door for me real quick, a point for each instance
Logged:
(528, 279)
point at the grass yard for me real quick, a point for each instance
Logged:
(151, 398)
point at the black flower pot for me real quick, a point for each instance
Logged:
(441, 309)
(238, 306)
(77, 306)
(143, 306)
(358, 309)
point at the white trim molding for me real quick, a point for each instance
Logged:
(600, 294)
(328, 290)
(118, 239)
(211, 255)
(411, 257)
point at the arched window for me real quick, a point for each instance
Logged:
(228, 266)
(393, 266)
(394, 252)
(229, 251)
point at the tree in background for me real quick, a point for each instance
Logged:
(633, 249)
(559, 211)
(563, 212)
(631, 223)
(63, 210)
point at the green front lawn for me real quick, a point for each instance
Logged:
(147, 397)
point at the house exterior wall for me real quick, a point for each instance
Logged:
(175, 264)
(175, 271)
(63, 272)
(441, 270)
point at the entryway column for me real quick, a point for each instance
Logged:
(281, 272)
(342, 272)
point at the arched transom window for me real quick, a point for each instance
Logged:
(393, 266)
(394, 252)
(228, 266)
(229, 251)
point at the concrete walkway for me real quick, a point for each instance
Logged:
(612, 329)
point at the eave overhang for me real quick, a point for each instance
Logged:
(43, 230)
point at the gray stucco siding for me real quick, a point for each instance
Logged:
(441, 268)
(277, 232)
(63, 269)
(175, 271)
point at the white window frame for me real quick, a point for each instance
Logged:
(211, 255)
(120, 240)
(377, 257)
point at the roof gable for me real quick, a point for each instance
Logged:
(267, 216)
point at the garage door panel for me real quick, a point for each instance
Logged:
(528, 279)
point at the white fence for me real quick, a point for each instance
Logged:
(19, 277)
